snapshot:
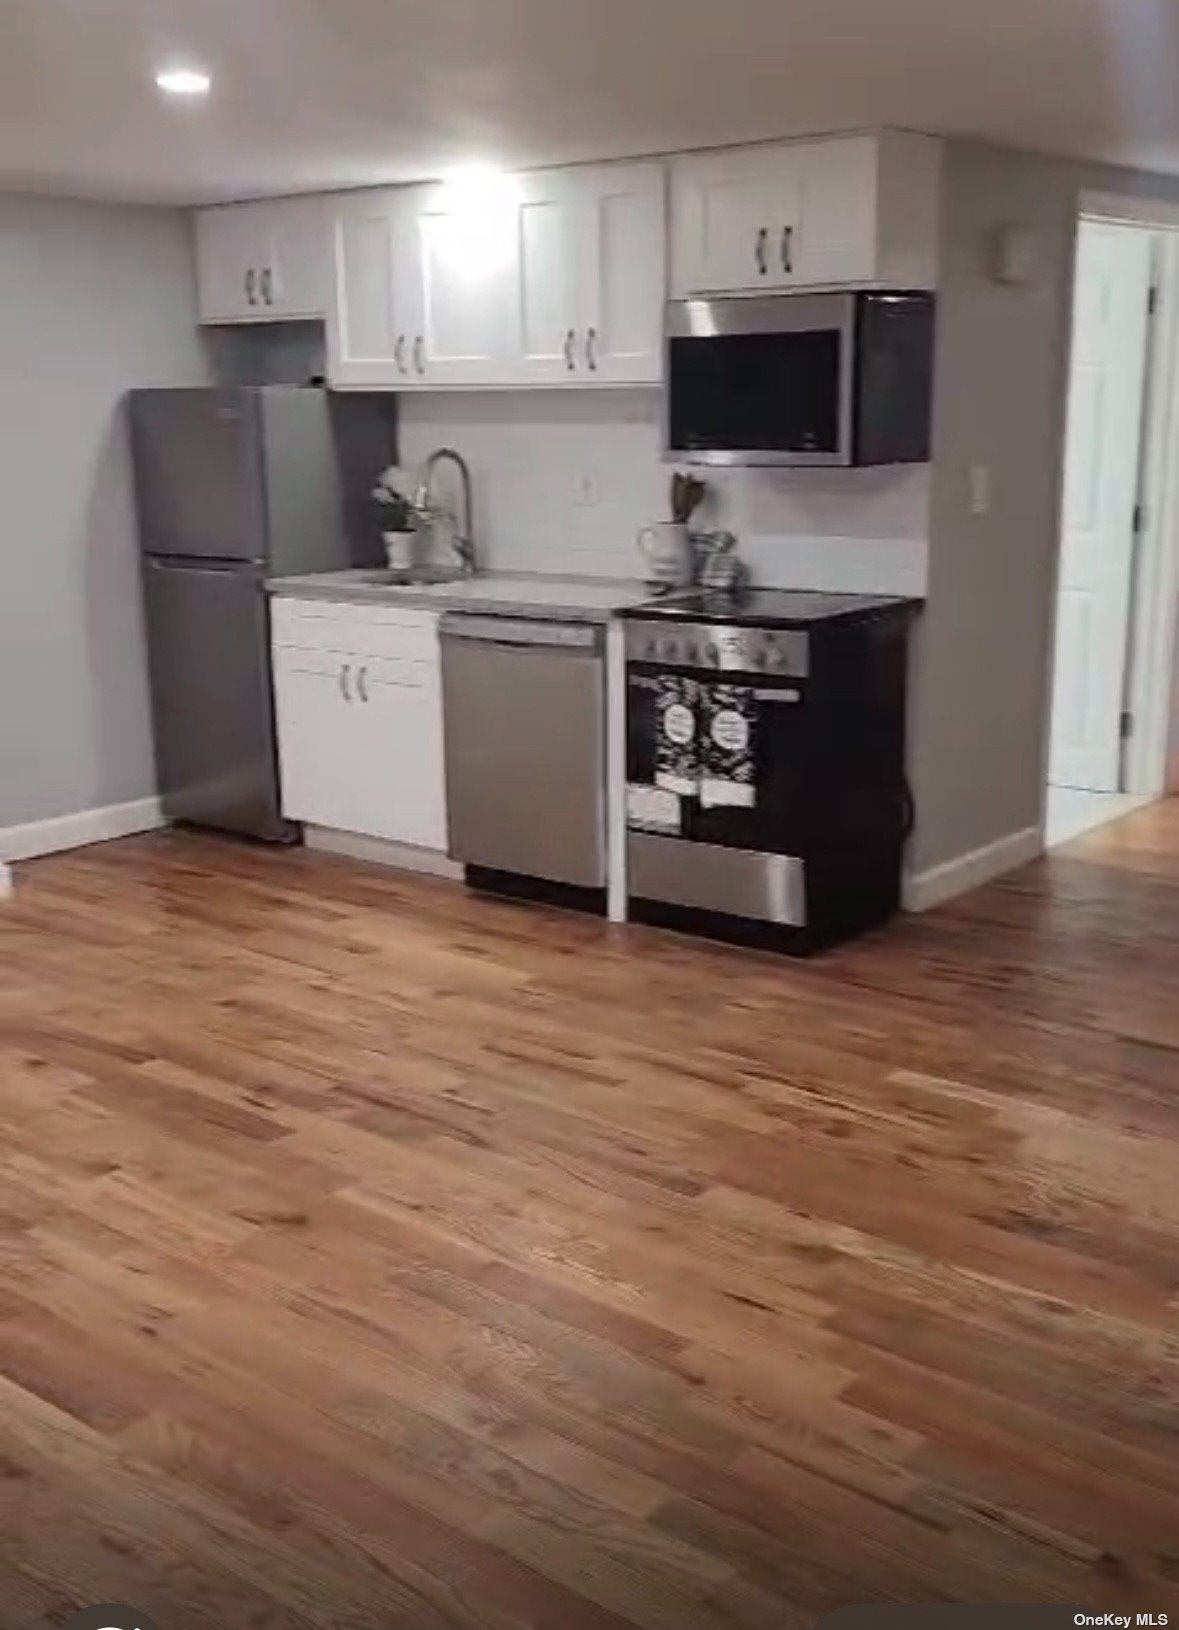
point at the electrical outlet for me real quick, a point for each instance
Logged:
(586, 492)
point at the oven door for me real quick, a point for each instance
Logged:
(778, 816)
(765, 381)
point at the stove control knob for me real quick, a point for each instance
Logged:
(712, 654)
(671, 650)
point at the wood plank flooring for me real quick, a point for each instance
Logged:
(374, 1255)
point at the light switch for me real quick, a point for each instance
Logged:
(980, 489)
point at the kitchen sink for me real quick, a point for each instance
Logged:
(415, 578)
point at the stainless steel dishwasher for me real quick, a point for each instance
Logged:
(524, 712)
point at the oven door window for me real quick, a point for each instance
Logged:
(769, 393)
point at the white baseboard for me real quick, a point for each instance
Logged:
(381, 852)
(76, 831)
(954, 877)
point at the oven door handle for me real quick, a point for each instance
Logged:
(778, 697)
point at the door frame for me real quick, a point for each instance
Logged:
(1155, 591)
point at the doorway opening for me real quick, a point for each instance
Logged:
(1118, 582)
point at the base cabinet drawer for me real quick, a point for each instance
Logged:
(360, 744)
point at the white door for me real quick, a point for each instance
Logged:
(466, 265)
(623, 263)
(1107, 391)
(552, 277)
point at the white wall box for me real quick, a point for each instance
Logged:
(358, 697)
(837, 212)
(262, 263)
(554, 278)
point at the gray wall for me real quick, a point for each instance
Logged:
(982, 665)
(93, 300)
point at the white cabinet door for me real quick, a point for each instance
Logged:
(316, 742)
(265, 262)
(733, 217)
(463, 255)
(553, 280)
(229, 265)
(299, 283)
(835, 231)
(374, 314)
(1107, 394)
(623, 259)
(403, 786)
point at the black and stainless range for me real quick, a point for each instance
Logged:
(766, 796)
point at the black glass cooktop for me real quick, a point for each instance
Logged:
(768, 608)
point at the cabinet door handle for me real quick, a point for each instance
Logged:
(570, 337)
(362, 683)
(419, 353)
(267, 284)
(250, 282)
(787, 248)
(399, 353)
(591, 349)
(761, 250)
(345, 670)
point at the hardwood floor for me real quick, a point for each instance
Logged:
(379, 1256)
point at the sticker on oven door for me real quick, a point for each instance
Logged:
(730, 730)
(653, 809)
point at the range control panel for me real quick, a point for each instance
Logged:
(780, 653)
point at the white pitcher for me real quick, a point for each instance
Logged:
(668, 550)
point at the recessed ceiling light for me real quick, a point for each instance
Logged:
(183, 81)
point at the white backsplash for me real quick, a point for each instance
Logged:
(564, 480)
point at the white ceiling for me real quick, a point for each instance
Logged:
(319, 93)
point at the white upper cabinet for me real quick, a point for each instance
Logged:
(552, 278)
(462, 259)
(262, 263)
(623, 218)
(840, 211)
(374, 314)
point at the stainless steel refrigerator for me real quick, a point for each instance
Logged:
(235, 486)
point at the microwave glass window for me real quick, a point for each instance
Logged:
(757, 392)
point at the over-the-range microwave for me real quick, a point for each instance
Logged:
(824, 379)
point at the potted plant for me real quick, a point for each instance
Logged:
(404, 518)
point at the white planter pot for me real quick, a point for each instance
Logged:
(402, 550)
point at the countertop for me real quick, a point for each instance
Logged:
(505, 594)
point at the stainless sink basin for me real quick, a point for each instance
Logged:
(414, 578)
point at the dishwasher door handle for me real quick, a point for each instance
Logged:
(515, 633)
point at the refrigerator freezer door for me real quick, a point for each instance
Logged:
(199, 473)
(209, 649)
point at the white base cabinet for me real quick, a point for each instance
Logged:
(263, 263)
(358, 698)
(838, 212)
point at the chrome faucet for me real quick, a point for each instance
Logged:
(464, 534)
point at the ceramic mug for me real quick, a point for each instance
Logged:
(668, 551)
